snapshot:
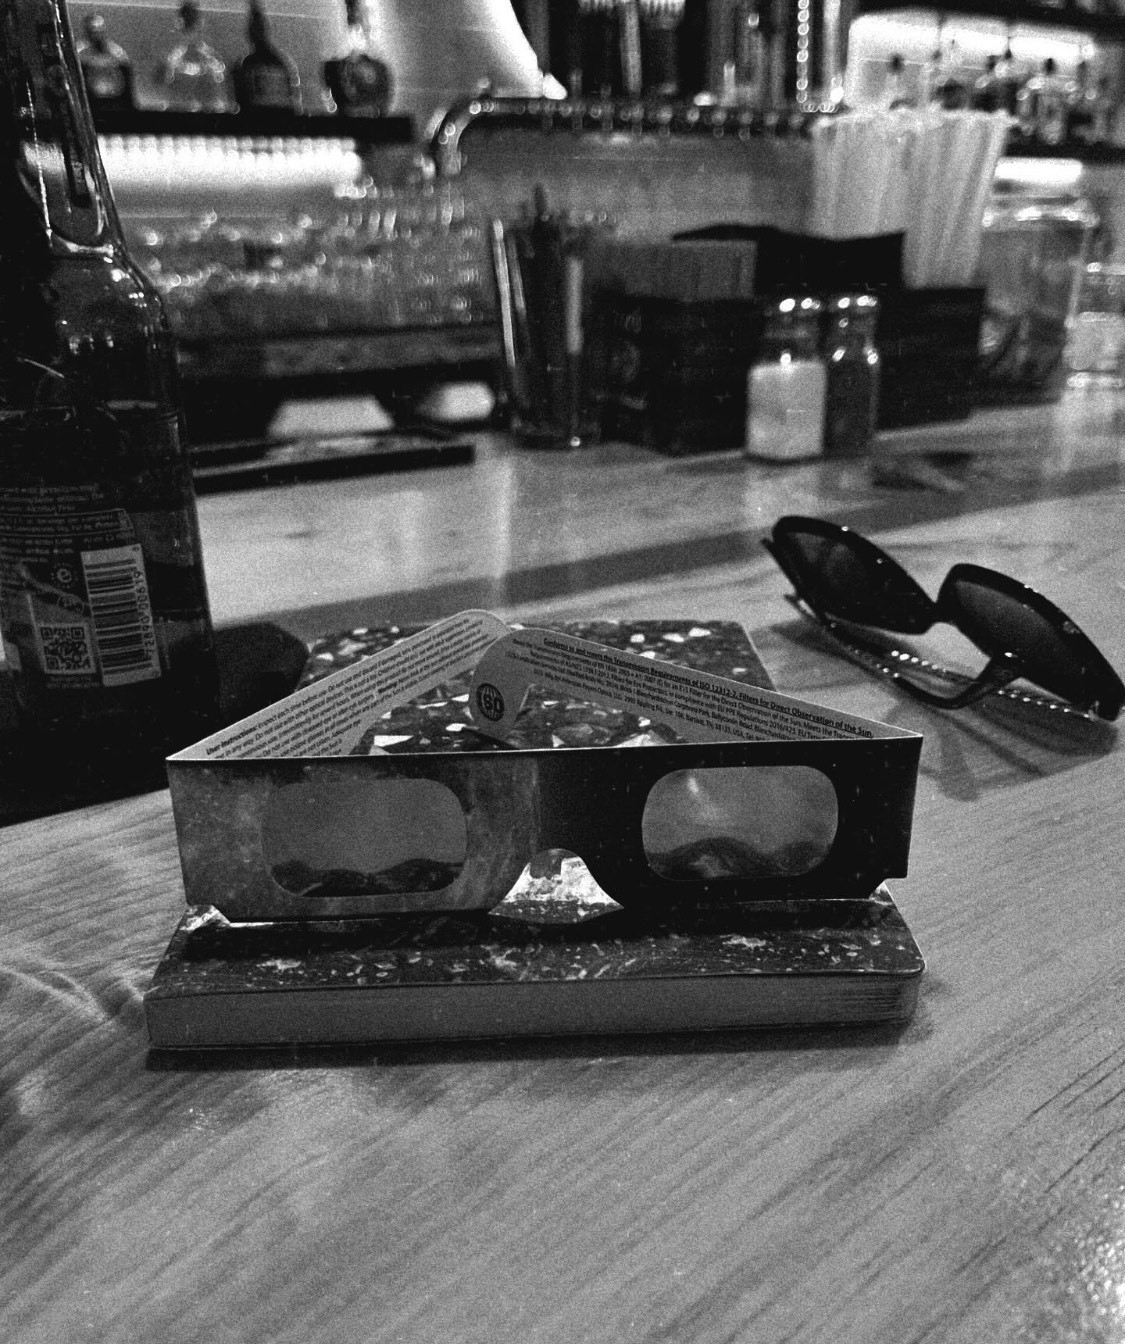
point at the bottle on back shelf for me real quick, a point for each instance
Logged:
(103, 606)
(1083, 119)
(932, 70)
(360, 82)
(1106, 111)
(266, 78)
(997, 90)
(192, 75)
(948, 88)
(1043, 105)
(985, 95)
(106, 68)
(896, 90)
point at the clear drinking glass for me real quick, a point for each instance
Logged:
(1095, 351)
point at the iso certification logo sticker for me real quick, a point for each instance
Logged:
(490, 702)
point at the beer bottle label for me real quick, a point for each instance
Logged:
(89, 571)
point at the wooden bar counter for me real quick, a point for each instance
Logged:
(958, 1179)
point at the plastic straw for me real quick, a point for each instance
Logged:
(925, 173)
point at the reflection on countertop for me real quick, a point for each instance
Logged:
(565, 533)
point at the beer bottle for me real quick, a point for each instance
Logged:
(104, 617)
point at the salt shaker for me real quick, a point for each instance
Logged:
(785, 385)
(852, 367)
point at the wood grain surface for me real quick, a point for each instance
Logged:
(961, 1179)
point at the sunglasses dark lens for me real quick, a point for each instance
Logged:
(841, 575)
(1000, 623)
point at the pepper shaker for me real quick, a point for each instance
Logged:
(852, 366)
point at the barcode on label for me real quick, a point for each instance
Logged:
(121, 614)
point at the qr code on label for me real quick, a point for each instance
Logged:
(66, 648)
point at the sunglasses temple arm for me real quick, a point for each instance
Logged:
(998, 673)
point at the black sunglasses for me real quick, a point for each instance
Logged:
(842, 581)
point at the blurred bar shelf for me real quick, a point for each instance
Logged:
(1094, 155)
(365, 131)
(1109, 26)
(338, 355)
(233, 387)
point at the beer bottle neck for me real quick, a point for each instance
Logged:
(48, 147)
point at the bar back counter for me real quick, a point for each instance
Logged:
(957, 1178)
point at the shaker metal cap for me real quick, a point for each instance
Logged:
(796, 307)
(857, 305)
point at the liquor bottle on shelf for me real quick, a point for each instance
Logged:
(192, 75)
(948, 88)
(103, 605)
(106, 68)
(985, 96)
(896, 91)
(1106, 112)
(931, 71)
(360, 82)
(1043, 105)
(997, 90)
(266, 78)
(1084, 121)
